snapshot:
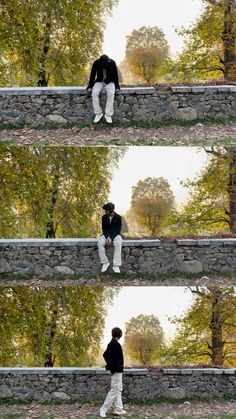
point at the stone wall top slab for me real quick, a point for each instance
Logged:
(92, 242)
(203, 89)
(82, 242)
(68, 370)
(67, 90)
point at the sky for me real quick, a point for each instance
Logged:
(162, 302)
(172, 163)
(133, 14)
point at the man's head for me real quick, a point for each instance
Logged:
(116, 333)
(109, 208)
(104, 60)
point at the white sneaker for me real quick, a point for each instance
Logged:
(105, 266)
(116, 269)
(119, 413)
(97, 118)
(108, 119)
(102, 414)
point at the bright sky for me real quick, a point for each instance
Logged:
(163, 302)
(172, 163)
(133, 14)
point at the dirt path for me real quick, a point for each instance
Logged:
(198, 134)
(161, 410)
(120, 282)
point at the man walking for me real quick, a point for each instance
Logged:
(113, 356)
(104, 73)
(111, 228)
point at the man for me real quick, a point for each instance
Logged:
(113, 356)
(111, 228)
(104, 73)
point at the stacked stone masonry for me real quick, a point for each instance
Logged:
(72, 105)
(82, 384)
(68, 257)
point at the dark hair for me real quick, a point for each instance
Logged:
(116, 332)
(109, 206)
(104, 57)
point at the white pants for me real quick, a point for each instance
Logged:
(117, 242)
(110, 91)
(114, 395)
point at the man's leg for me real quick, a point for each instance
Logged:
(113, 394)
(110, 89)
(95, 98)
(102, 253)
(118, 401)
(117, 242)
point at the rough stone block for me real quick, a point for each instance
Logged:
(186, 114)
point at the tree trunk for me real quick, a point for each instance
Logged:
(43, 78)
(216, 327)
(232, 189)
(49, 357)
(50, 229)
(229, 39)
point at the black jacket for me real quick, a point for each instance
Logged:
(97, 73)
(113, 356)
(111, 229)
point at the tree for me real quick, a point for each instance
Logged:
(146, 51)
(209, 44)
(206, 332)
(228, 10)
(49, 42)
(143, 338)
(49, 192)
(52, 326)
(212, 203)
(151, 203)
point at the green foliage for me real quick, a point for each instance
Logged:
(58, 325)
(50, 42)
(201, 58)
(209, 50)
(146, 51)
(54, 191)
(151, 204)
(143, 338)
(194, 341)
(207, 208)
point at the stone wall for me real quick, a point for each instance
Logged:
(49, 257)
(86, 384)
(61, 105)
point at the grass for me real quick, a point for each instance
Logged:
(123, 124)
(13, 415)
(137, 416)
(152, 277)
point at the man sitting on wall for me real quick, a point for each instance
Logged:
(111, 228)
(104, 73)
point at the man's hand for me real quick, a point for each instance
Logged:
(109, 241)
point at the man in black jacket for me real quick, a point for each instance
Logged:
(111, 228)
(113, 356)
(104, 73)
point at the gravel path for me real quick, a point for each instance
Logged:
(119, 281)
(162, 410)
(198, 134)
